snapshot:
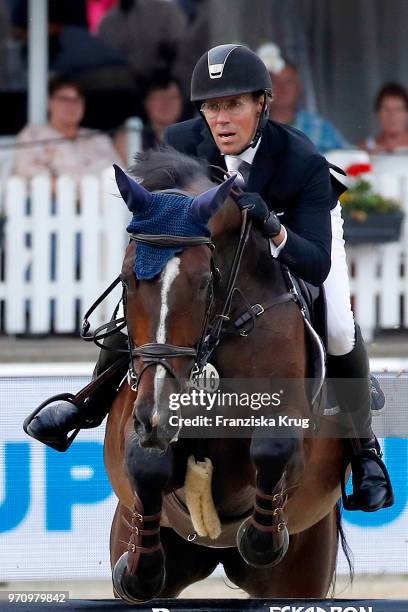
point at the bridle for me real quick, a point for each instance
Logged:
(157, 353)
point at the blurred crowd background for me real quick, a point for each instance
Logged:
(339, 72)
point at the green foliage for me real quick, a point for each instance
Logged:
(361, 201)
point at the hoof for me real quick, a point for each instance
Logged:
(258, 558)
(129, 588)
(117, 574)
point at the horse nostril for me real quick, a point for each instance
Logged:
(148, 427)
(143, 425)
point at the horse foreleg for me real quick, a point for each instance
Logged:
(263, 538)
(139, 573)
(306, 571)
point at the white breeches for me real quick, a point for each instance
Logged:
(340, 320)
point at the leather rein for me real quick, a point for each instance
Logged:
(155, 353)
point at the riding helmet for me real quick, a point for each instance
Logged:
(229, 70)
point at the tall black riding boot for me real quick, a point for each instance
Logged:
(349, 374)
(51, 422)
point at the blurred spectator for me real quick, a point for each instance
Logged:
(285, 107)
(391, 107)
(146, 32)
(72, 49)
(61, 146)
(163, 106)
(190, 8)
(60, 13)
(96, 9)
(194, 42)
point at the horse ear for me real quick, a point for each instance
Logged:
(135, 196)
(206, 204)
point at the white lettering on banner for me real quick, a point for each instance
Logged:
(160, 610)
(45, 506)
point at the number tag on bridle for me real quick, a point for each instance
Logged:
(207, 379)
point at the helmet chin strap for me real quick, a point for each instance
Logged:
(262, 121)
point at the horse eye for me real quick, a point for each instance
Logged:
(204, 283)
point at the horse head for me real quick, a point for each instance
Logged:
(168, 276)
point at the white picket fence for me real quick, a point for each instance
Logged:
(379, 282)
(379, 272)
(60, 252)
(47, 282)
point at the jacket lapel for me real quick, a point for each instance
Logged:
(265, 164)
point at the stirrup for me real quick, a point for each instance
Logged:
(60, 443)
(373, 455)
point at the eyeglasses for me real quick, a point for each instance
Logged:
(233, 107)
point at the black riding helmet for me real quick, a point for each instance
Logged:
(230, 70)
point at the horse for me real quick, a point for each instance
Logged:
(276, 498)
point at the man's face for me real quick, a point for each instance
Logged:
(285, 87)
(232, 121)
(393, 115)
(164, 106)
(66, 107)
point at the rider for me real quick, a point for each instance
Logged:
(292, 198)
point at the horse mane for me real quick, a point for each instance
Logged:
(165, 168)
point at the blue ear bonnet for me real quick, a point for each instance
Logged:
(164, 213)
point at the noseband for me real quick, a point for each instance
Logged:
(157, 353)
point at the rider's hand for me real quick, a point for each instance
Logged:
(266, 220)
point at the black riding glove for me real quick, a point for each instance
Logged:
(265, 219)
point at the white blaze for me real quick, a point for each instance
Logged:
(168, 275)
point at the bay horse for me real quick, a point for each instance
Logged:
(276, 497)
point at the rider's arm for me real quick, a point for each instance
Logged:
(307, 250)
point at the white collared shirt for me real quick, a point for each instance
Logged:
(233, 162)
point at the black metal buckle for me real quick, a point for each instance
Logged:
(257, 309)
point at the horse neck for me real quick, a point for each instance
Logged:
(259, 268)
(259, 273)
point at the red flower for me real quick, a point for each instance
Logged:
(357, 169)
